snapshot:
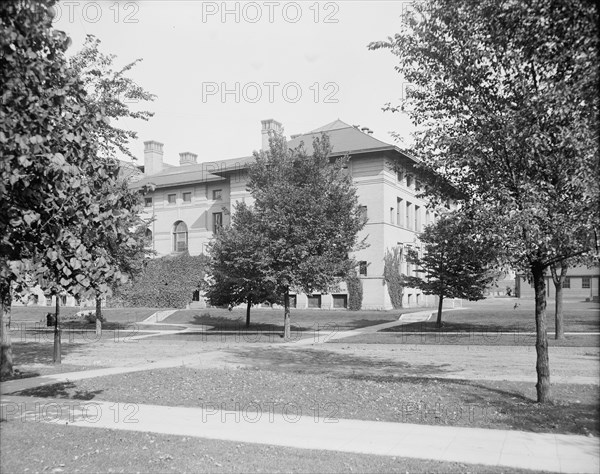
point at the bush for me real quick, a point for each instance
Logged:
(355, 292)
(167, 282)
(393, 277)
(91, 317)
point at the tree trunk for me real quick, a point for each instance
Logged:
(541, 343)
(6, 359)
(439, 315)
(559, 331)
(57, 356)
(286, 315)
(98, 315)
(249, 305)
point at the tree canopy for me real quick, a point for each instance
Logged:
(505, 100)
(56, 186)
(454, 263)
(307, 213)
(237, 264)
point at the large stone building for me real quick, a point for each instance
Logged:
(190, 202)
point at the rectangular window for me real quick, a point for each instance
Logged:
(217, 194)
(417, 185)
(314, 301)
(172, 198)
(391, 215)
(399, 211)
(418, 218)
(217, 221)
(400, 175)
(567, 283)
(293, 301)
(187, 197)
(408, 215)
(409, 181)
(148, 202)
(586, 282)
(362, 268)
(340, 301)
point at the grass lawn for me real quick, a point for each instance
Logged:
(493, 322)
(427, 334)
(266, 319)
(38, 447)
(497, 315)
(115, 315)
(297, 378)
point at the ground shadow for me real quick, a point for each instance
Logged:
(316, 361)
(572, 409)
(59, 390)
(18, 375)
(219, 323)
(25, 353)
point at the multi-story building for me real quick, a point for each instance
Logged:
(190, 202)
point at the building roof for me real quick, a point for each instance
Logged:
(344, 139)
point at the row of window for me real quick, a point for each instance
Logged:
(405, 214)
(408, 180)
(586, 283)
(314, 301)
(186, 197)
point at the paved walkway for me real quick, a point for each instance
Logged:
(256, 424)
(159, 316)
(204, 360)
(326, 336)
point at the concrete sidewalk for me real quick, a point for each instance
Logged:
(205, 360)
(314, 430)
(326, 336)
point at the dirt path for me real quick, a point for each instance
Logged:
(580, 365)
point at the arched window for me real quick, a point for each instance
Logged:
(180, 237)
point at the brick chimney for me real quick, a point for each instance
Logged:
(269, 127)
(187, 158)
(153, 157)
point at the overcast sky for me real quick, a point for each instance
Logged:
(302, 63)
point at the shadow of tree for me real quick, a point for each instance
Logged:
(18, 374)
(316, 361)
(40, 353)
(59, 390)
(219, 323)
(513, 403)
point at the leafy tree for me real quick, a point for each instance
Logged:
(112, 91)
(505, 98)
(58, 178)
(47, 135)
(307, 213)
(237, 265)
(454, 263)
